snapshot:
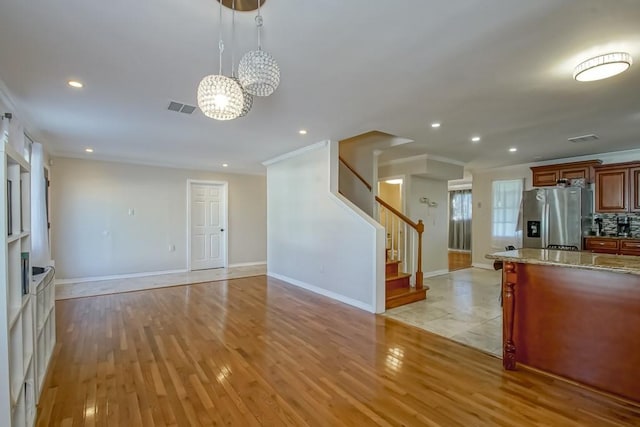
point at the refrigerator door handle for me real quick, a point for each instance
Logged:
(545, 226)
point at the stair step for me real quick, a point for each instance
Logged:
(399, 297)
(391, 268)
(397, 281)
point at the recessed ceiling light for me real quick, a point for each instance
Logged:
(224, 165)
(513, 149)
(435, 125)
(76, 84)
(475, 139)
(302, 132)
(602, 67)
(394, 181)
(89, 150)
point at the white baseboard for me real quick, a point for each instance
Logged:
(247, 264)
(435, 273)
(323, 292)
(116, 276)
(483, 266)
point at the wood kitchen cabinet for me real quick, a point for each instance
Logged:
(602, 245)
(611, 245)
(634, 188)
(618, 187)
(612, 189)
(630, 247)
(546, 176)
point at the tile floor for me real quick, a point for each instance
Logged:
(105, 287)
(463, 306)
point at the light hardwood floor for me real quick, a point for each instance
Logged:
(256, 351)
(459, 260)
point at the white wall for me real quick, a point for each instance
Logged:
(93, 235)
(354, 190)
(481, 194)
(316, 238)
(435, 219)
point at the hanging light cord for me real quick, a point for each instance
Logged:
(220, 44)
(259, 25)
(233, 38)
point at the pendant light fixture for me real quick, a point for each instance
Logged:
(220, 97)
(248, 98)
(258, 72)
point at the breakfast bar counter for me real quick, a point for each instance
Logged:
(575, 315)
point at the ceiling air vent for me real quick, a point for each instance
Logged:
(181, 108)
(584, 138)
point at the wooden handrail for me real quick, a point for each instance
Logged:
(399, 214)
(419, 227)
(353, 171)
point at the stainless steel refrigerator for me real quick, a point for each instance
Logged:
(556, 217)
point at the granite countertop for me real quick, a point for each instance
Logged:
(586, 260)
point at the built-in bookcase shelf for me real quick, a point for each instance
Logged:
(17, 302)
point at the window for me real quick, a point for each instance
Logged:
(505, 225)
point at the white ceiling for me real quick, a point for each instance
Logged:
(497, 68)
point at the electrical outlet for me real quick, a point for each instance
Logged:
(172, 248)
(132, 212)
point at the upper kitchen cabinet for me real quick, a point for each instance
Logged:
(618, 187)
(634, 188)
(546, 176)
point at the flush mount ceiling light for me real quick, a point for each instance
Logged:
(220, 97)
(602, 67)
(258, 72)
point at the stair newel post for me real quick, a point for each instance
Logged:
(419, 274)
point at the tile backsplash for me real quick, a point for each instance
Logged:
(609, 223)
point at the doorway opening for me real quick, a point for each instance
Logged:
(460, 205)
(390, 191)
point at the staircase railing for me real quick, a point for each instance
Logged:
(404, 236)
(404, 240)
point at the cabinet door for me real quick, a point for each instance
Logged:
(545, 178)
(575, 173)
(630, 247)
(612, 190)
(634, 177)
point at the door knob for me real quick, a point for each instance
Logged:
(222, 229)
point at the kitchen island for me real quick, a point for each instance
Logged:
(575, 315)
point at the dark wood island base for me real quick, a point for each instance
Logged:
(581, 324)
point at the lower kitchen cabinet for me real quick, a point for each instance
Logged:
(611, 245)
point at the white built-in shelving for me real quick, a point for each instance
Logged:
(45, 325)
(17, 304)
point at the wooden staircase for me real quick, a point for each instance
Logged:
(398, 288)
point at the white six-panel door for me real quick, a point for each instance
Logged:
(208, 226)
